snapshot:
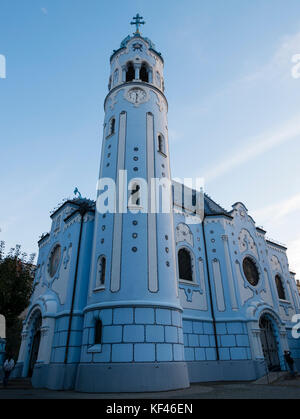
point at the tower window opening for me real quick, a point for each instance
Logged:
(112, 126)
(101, 271)
(161, 144)
(116, 77)
(280, 288)
(185, 265)
(130, 73)
(98, 332)
(144, 74)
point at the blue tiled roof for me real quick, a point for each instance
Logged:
(75, 201)
(212, 208)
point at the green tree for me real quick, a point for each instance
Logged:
(16, 286)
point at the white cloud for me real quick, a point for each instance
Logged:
(280, 64)
(6, 224)
(283, 216)
(279, 210)
(294, 256)
(278, 68)
(44, 10)
(256, 146)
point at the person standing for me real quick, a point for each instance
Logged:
(290, 362)
(8, 366)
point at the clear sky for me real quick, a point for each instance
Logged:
(234, 114)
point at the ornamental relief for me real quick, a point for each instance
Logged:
(247, 243)
(67, 256)
(275, 264)
(184, 234)
(112, 101)
(38, 273)
(144, 52)
(44, 243)
(160, 102)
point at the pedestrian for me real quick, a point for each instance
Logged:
(8, 366)
(290, 362)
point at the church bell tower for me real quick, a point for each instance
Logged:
(133, 338)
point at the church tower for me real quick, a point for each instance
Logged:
(133, 338)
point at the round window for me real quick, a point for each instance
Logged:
(54, 260)
(251, 272)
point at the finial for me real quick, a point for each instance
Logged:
(138, 22)
(76, 192)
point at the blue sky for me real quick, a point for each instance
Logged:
(234, 114)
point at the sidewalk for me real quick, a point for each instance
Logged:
(282, 388)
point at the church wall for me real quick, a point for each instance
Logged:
(199, 338)
(228, 241)
(62, 318)
(141, 334)
(222, 284)
(53, 295)
(193, 294)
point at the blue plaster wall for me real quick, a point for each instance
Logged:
(141, 334)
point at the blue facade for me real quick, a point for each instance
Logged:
(141, 300)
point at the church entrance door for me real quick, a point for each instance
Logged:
(269, 344)
(35, 346)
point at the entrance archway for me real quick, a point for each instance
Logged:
(36, 338)
(269, 343)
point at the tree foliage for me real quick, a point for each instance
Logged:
(16, 285)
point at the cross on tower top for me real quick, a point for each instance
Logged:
(138, 22)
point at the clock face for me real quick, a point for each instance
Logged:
(137, 95)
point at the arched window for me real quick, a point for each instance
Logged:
(112, 126)
(130, 72)
(185, 265)
(98, 332)
(280, 288)
(161, 144)
(101, 271)
(144, 74)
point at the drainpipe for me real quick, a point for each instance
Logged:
(210, 293)
(82, 210)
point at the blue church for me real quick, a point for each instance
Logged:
(132, 299)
